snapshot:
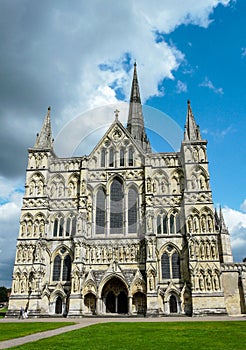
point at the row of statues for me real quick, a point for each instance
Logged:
(29, 228)
(206, 281)
(203, 250)
(26, 283)
(196, 224)
(108, 253)
(29, 253)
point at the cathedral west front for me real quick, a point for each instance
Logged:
(124, 230)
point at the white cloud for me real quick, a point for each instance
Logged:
(208, 83)
(236, 222)
(181, 87)
(243, 206)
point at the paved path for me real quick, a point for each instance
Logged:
(84, 322)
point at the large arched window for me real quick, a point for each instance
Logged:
(100, 211)
(170, 263)
(132, 210)
(62, 266)
(57, 268)
(116, 206)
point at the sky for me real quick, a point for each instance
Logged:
(78, 57)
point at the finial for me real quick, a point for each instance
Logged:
(116, 113)
(135, 63)
(188, 102)
(49, 108)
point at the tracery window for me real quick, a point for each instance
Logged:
(116, 206)
(100, 211)
(63, 228)
(132, 210)
(170, 263)
(62, 266)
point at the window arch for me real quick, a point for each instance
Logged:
(170, 263)
(132, 210)
(62, 266)
(116, 206)
(100, 211)
(64, 228)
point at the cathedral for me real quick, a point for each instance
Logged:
(123, 230)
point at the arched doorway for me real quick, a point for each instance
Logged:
(90, 303)
(139, 303)
(115, 296)
(58, 308)
(110, 303)
(173, 304)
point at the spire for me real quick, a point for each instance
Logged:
(44, 138)
(222, 221)
(192, 132)
(135, 123)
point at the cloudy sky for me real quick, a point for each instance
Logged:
(78, 56)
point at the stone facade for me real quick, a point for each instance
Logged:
(123, 230)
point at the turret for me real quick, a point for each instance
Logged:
(135, 124)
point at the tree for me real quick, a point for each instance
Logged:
(3, 293)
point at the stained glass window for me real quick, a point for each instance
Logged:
(100, 211)
(116, 206)
(132, 210)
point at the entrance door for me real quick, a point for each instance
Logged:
(173, 305)
(58, 309)
(122, 303)
(114, 294)
(110, 303)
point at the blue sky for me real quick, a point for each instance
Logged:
(79, 57)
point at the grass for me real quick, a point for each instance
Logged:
(149, 336)
(10, 330)
(3, 312)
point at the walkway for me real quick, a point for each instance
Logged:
(84, 322)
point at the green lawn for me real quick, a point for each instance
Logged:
(12, 330)
(150, 336)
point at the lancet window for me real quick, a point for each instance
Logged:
(100, 211)
(64, 227)
(132, 210)
(168, 224)
(116, 206)
(170, 263)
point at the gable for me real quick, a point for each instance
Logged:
(116, 149)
